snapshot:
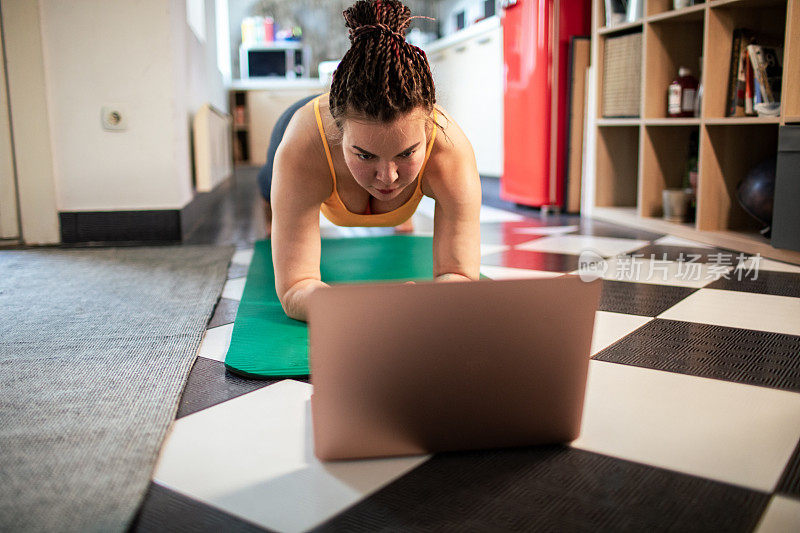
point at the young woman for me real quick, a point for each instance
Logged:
(365, 154)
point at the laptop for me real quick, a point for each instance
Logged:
(413, 369)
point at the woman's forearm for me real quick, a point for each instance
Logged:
(295, 299)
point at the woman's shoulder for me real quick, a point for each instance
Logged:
(302, 132)
(301, 153)
(451, 166)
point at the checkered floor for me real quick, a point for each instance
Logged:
(691, 422)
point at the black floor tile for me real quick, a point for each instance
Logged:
(166, 510)
(644, 299)
(686, 253)
(760, 282)
(790, 480)
(741, 355)
(237, 271)
(545, 261)
(210, 384)
(224, 312)
(596, 228)
(550, 489)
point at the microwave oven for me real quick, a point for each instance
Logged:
(278, 59)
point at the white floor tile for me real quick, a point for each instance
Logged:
(764, 312)
(725, 431)
(243, 257)
(492, 215)
(332, 232)
(546, 230)
(325, 223)
(423, 225)
(782, 515)
(499, 272)
(760, 263)
(575, 244)
(253, 457)
(489, 249)
(672, 240)
(611, 327)
(427, 207)
(234, 288)
(215, 342)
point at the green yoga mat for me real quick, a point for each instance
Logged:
(266, 343)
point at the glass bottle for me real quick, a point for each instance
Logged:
(681, 94)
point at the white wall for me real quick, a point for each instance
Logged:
(205, 81)
(142, 55)
(237, 11)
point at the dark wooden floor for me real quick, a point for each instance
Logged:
(238, 218)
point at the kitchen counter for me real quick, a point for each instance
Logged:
(264, 84)
(469, 32)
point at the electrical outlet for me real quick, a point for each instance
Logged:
(114, 117)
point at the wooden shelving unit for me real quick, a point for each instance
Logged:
(256, 108)
(637, 158)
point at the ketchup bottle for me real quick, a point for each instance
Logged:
(681, 95)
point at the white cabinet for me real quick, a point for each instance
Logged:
(263, 109)
(468, 73)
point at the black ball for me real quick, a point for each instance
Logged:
(756, 191)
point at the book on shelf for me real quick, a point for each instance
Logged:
(754, 79)
(748, 88)
(757, 98)
(768, 71)
(737, 83)
(733, 73)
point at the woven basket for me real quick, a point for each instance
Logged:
(622, 76)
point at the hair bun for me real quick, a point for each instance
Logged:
(389, 17)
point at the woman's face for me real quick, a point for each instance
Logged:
(385, 157)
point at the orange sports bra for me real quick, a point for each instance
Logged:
(334, 209)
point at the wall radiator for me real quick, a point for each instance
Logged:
(213, 159)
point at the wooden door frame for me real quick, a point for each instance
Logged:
(27, 104)
(9, 208)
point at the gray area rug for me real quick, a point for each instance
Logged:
(95, 348)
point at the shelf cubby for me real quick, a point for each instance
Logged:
(727, 155)
(686, 13)
(665, 155)
(617, 166)
(767, 19)
(663, 7)
(619, 28)
(670, 44)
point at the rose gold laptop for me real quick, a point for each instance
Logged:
(411, 369)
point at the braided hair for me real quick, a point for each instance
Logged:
(381, 76)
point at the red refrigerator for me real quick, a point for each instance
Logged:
(536, 37)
